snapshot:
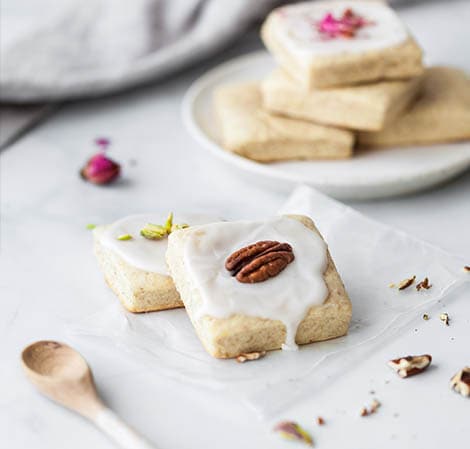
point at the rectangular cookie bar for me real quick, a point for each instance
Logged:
(250, 131)
(138, 290)
(336, 43)
(363, 107)
(256, 286)
(131, 254)
(441, 113)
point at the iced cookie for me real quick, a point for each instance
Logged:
(250, 131)
(441, 113)
(335, 43)
(258, 285)
(131, 254)
(362, 107)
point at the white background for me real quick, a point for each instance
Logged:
(48, 276)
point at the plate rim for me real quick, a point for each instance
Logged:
(208, 79)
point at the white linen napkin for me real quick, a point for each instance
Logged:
(369, 256)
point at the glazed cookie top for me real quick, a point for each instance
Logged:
(138, 251)
(284, 281)
(313, 29)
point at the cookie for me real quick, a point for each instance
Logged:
(247, 129)
(441, 113)
(241, 299)
(338, 43)
(362, 107)
(134, 267)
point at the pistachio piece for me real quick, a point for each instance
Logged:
(124, 237)
(153, 231)
(292, 431)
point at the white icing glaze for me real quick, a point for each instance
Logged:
(295, 29)
(286, 297)
(144, 254)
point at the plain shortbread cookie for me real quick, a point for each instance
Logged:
(250, 131)
(441, 113)
(362, 107)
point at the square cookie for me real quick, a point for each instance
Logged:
(362, 107)
(250, 131)
(135, 268)
(441, 113)
(336, 43)
(256, 286)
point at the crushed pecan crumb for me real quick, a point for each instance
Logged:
(320, 421)
(444, 317)
(406, 283)
(374, 406)
(410, 365)
(423, 285)
(425, 317)
(466, 268)
(371, 410)
(248, 356)
(461, 382)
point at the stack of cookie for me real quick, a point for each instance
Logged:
(348, 71)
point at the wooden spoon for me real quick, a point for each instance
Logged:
(63, 375)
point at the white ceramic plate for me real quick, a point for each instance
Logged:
(372, 174)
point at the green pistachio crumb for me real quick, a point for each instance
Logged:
(176, 227)
(169, 223)
(90, 226)
(124, 237)
(153, 231)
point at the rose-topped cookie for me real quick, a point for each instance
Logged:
(252, 286)
(334, 43)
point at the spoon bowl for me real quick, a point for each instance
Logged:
(63, 375)
(54, 360)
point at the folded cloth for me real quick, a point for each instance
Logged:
(73, 48)
(368, 255)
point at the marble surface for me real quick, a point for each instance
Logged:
(48, 276)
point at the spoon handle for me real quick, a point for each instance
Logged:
(123, 435)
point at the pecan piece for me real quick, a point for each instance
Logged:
(406, 283)
(410, 365)
(259, 261)
(461, 382)
(248, 356)
(423, 285)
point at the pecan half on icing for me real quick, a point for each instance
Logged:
(410, 365)
(259, 261)
(461, 382)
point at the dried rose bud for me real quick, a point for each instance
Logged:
(100, 169)
(461, 382)
(292, 431)
(410, 365)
